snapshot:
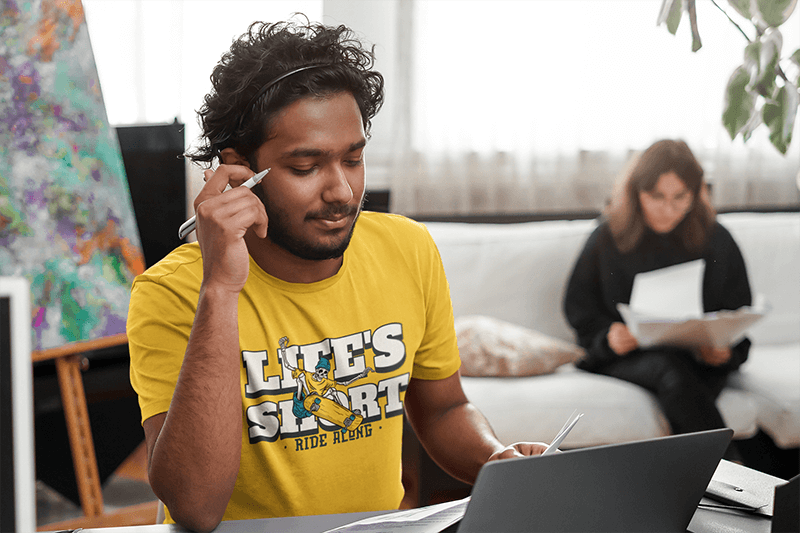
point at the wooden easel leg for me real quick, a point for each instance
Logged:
(79, 430)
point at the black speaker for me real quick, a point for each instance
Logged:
(152, 155)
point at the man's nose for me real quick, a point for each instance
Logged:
(337, 190)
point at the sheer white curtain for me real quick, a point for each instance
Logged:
(493, 106)
(535, 106)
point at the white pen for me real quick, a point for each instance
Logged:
(568, 425)
(188, 226)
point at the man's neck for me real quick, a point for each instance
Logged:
(282, 264)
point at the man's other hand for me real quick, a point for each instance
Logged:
(519, 449)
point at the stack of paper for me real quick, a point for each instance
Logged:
(666, 309)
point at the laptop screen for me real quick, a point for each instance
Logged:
(17, 471)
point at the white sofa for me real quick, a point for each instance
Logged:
(517, 273)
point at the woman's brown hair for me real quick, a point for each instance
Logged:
(624, 213)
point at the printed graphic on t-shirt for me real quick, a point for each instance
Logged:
(317, 395)
(330, 391)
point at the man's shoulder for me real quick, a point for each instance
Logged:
(389, 225)
(185, 258)
(389, 220)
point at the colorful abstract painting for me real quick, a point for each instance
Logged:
(66, 218)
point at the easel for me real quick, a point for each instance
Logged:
(68, 361)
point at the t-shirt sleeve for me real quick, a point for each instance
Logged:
(159, 323)
(437, 356)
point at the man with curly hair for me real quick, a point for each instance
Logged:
(294, 257)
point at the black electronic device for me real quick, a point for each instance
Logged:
(156, 171)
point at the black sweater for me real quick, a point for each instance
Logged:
(603, 277)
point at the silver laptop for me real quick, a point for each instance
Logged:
(650, 485)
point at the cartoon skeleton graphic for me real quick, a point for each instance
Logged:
(318, 395)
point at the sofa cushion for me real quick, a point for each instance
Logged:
(771, 376)
(534, 408)
(493, 347)
(739, 411)
(769, 244)
(514, 272)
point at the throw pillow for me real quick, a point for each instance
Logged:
(492, 347)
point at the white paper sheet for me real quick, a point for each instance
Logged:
(430, 519)
(672, 292)
(666, 309)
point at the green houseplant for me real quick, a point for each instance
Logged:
(759, 91)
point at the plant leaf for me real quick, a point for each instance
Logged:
(663, 12)
(671, 11)
(769, 56)
(739, 102)
(755, 121)
(795, 58)
(779, 115)
(775, 12)
(742, 7)
(752, 63)
(752, 53)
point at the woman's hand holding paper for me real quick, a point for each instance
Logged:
(713, 356)
(620, 339)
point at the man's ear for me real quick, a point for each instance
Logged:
(230, 156)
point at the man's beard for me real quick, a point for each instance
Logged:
(279, 232)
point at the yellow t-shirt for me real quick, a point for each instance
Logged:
(388, 308)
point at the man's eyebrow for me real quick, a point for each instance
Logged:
(357, 145)
(316, 152)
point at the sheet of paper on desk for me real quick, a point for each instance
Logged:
(430, 519)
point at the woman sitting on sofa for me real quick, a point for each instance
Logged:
(661, 216)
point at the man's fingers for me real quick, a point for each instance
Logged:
(233, 175)
(217, 181)
(519, 449)
(235, 209)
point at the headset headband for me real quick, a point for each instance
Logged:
(266, 87)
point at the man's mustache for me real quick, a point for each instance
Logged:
(333, 211)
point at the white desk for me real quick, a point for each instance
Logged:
(293, 524)
(704, 521)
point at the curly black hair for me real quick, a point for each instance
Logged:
(235, 115)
